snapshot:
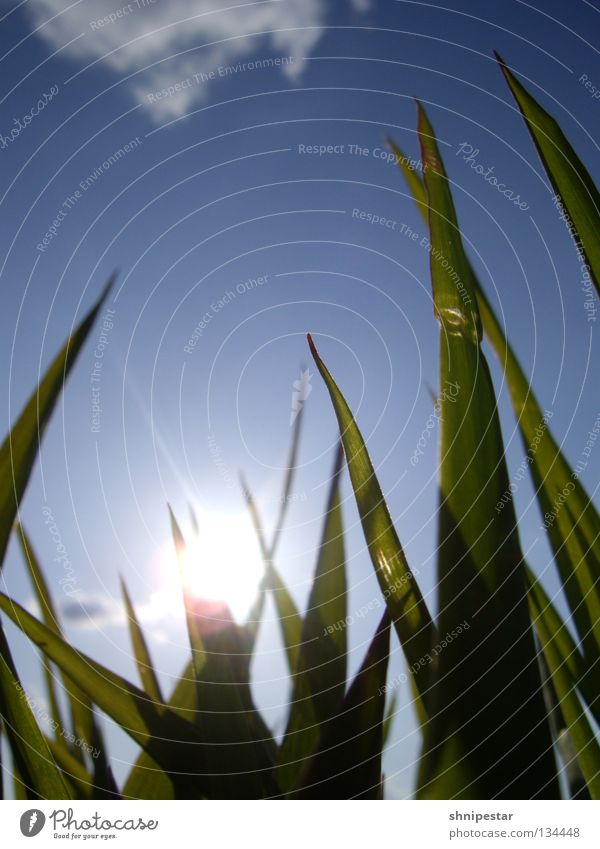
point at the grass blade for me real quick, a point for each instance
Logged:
(319, 680)
(574, 188)
(171, 741)
(288, 481)
(574, 528)
(238, 748)
(390, 715)
(84, 723)
(140, 650)
(488, 687)
(32, 759)
(19, 449)
(407, 607)
(78, 779)
(347, 764)
(146, 779)
(193, 621)
(572, 523)
(577, 724)
(290, 620)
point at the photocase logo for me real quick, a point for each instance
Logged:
(32, 822)
(302, 389)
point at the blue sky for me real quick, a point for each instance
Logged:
(190, 128)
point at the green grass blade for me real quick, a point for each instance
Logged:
(579, 671)
(574, 532)
(19, 449)
(390, 715)
(19, 789)
(347, 763)
(578, 726)
(574, 188)
(573, 524)
(319, 680)
(31, 755)
(488, 688)
(43, 597)
(407, 607)
(78, 779)
(140, 650)
(171, 741)
(413, 179)
(83, 721)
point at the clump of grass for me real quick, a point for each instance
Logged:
(496, 707)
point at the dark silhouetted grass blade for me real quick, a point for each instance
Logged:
(238, 748)
(347, 764)
(319, 680)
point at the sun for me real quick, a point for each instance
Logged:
(222, 563)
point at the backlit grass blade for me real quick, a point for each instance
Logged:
(238, 747)
(404, 600)
(171, 741)
(544, 612)
(576, 197)
(19, 449)
(140, 650)
(319, 680)
(413, 179)
(290, 620)
(37, 769)
(83, 722)
(578, 726)
(287, 482)
(488, 736)
(564, 742)
(347, 763)
(192, 620)
(41, 592)
(390, 715)
(571, 520)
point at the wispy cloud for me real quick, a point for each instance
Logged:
(158, 43)
(88, 611)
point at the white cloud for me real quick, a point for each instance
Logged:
(142, 33)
